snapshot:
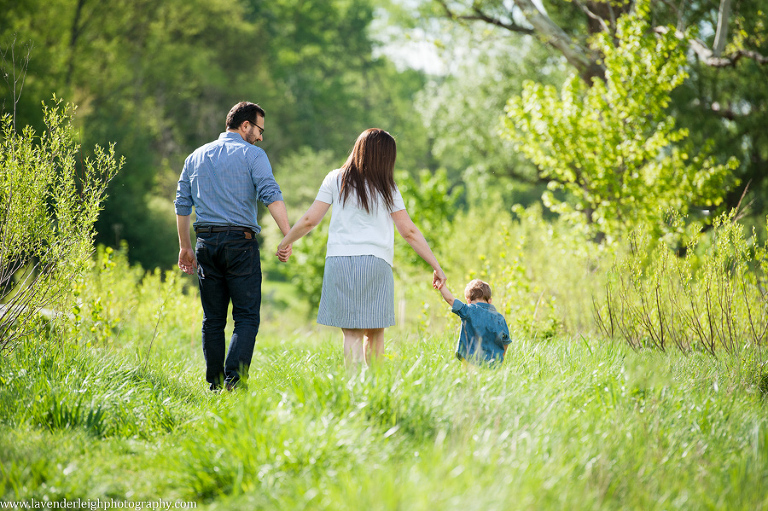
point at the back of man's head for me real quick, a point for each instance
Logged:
(243, 111)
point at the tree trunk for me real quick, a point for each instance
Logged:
(722, 27)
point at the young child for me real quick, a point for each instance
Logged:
(484, 336)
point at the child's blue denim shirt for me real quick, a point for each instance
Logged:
(484, 332)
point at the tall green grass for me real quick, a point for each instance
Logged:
(115, 406)
(575, 424)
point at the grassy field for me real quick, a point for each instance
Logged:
(565, 424)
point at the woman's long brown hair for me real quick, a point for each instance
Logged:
(369, 172)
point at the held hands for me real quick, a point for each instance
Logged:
(284, 253)
(438, 279)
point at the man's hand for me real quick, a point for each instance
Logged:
(187, 261)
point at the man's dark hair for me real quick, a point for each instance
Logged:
(243, 111)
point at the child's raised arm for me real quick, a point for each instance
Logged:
(447, 296)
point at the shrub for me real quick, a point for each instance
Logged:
(712, 299)
(611, 152)
(48, 205)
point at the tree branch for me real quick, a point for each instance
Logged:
(707, 56)
(15, 76)
(550, 33)
(722, 27)
(576, 55)
(481, 16)
(592, 15)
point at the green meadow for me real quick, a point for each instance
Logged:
(112, 405)
(603, 165)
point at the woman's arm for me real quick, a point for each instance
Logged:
(306, 223)
(415, 239)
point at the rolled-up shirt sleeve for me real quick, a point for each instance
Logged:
(183, 203)
(267, 189)
(459, 308)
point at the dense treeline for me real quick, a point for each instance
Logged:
(157, 77)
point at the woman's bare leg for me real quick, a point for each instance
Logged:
(374, 344)
(353, 346)
(362, 345)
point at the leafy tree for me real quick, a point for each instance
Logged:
(726, 97)
(461, 112)
(612, 147)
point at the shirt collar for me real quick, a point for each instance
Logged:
(231, 135)
(484, 305)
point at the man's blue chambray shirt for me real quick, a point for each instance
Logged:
(223, 180)
(484, 332)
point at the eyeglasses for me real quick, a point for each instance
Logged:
(261, 130)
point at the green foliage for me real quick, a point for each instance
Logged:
(307, 265)
(48, 206)
(714, 299)
(612, 147)
(542, 274)
(159, 78)
(120, 305)
(729, 105)
(432, 204)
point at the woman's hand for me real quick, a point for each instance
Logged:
(284, 252)
(438, 278)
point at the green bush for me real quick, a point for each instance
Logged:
(118, 305)
(49, 201)
(611, 152)
(543, 274)
(712, 299)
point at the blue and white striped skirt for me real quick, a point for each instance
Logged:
(358, 292)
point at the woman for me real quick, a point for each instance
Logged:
(358, 286)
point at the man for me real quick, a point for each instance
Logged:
(223, 181)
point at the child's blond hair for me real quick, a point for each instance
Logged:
(477, 290)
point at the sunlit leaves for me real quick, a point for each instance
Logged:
(612, 152)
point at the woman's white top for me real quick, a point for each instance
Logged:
(353, 231)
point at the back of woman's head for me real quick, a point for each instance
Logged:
(370, 169)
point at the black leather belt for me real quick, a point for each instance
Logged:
(223, 228)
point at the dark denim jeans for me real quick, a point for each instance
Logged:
(228, 269)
